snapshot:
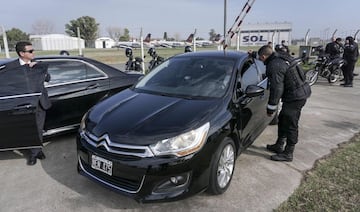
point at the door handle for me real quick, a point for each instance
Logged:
(93, 86)
(23, 109)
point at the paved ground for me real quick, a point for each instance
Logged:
(331, 116)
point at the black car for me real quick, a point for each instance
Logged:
(179, 130)
(77, 83)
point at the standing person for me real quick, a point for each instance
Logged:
(25, 52)
(351, 55)
(287, 82)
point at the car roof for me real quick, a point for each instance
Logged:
(229, 54)
(6, 60)
(62, 57)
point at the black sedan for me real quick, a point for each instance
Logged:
(179, 130)
(77, 83)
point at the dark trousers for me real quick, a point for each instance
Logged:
(288, 121)
(348, 71)
(40, 120)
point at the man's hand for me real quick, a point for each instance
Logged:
(32, 64)
(270, 112)
(271, 109)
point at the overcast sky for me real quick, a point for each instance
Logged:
(181, 17)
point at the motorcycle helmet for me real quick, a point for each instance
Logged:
(280, 48)
(128, 52)
(350, 39)
(151, 52)
(188, 49)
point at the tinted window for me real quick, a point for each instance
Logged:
(191, 76)
(252, 73)
(65, 71)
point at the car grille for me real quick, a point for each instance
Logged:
(119, 183)
(104, 144)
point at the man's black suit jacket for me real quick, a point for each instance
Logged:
(37, 75)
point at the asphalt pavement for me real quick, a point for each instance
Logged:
(330, 117)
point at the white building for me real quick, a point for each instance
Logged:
(261, 33)
(56, 42)
(104, 43)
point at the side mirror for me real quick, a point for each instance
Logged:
(254, 90)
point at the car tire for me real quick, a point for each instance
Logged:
(222, 167)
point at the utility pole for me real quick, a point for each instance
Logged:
(142, 50)
(194, 41)
(6, 46)
(79, 41)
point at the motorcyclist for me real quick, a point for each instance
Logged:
(334, 49)
(129, 54)
(351, 55)
(156, 59)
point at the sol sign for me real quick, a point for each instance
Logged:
(253, 38)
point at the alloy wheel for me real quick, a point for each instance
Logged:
(226, 166)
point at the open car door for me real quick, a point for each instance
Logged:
(19, 99)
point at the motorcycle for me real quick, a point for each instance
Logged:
(133, 64)
(155, 61)
(324, 66)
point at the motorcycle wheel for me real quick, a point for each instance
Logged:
(334, 76)
(311, 76)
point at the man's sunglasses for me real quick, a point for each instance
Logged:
(30, 51)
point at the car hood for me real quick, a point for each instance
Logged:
(142, 119)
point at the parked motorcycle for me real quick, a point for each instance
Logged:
(134, 64)
(156, 59)
(326, 67)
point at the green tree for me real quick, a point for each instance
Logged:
(125, 36)
(212, 34)
(14, 35)
(88, 29)
(165, 37)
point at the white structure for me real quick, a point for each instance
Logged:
(104, 43)
(262, 33)
(56, 42)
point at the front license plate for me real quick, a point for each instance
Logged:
(101, 164)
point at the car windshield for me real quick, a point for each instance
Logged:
(189, 77)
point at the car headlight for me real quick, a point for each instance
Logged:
(184, 144)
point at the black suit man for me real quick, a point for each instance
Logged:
(25, 52)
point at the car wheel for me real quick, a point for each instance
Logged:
(222, 167)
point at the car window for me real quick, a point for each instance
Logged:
(250, 74)
(65, 71)
(261, 69)
(192, 77)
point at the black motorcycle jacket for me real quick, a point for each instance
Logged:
(334, 49)
(351, 52)
(287, 81)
